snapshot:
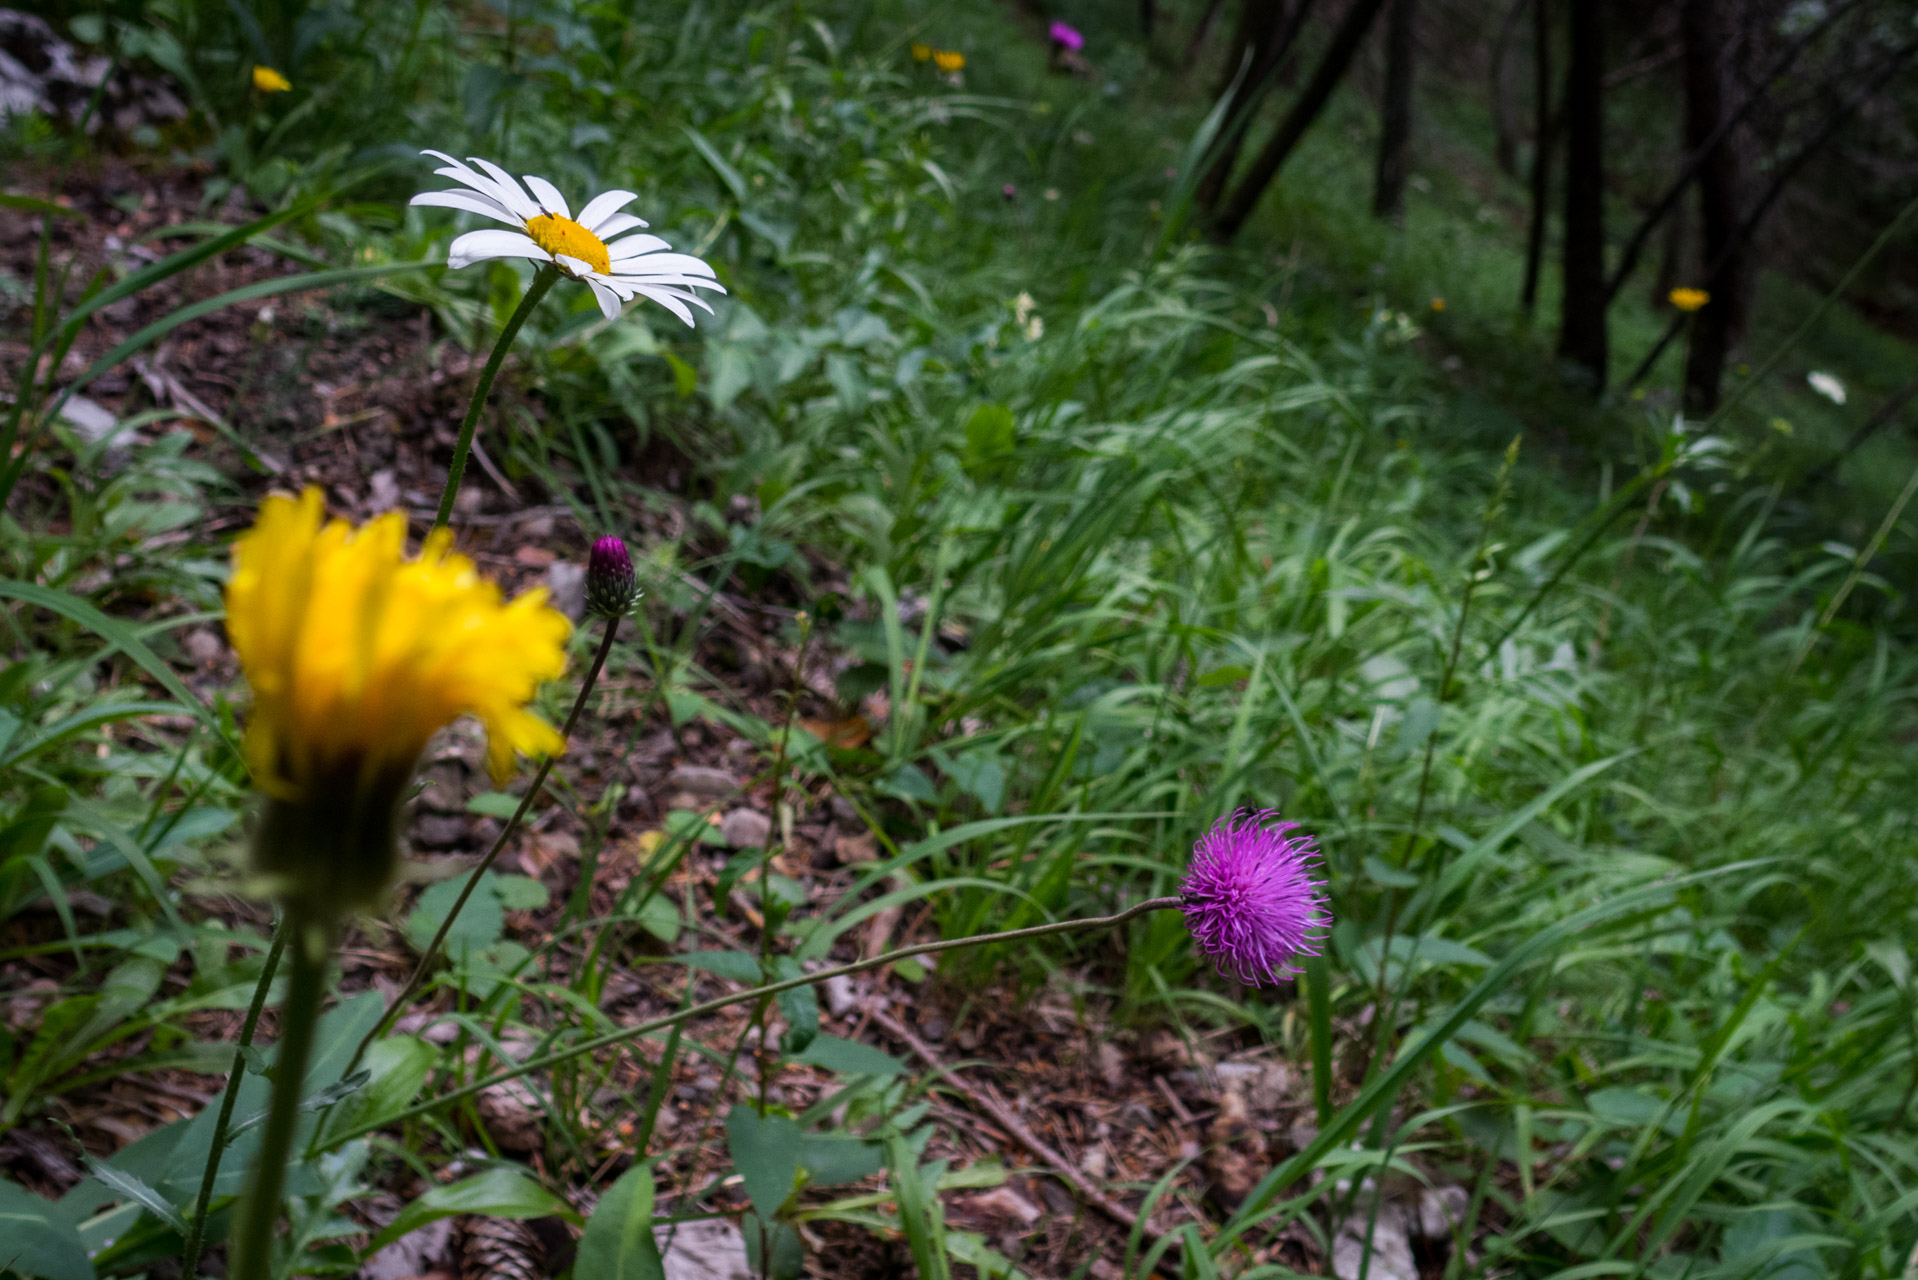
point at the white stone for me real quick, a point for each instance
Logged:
(708, 1249)
(1391, 1247)
(746, 829)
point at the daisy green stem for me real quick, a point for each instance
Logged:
(432, 952)
(196, 1232)
(312, 945)
(541, 1061)
(542, 281)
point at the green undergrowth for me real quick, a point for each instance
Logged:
(1127, 532)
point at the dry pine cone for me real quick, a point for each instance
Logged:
(502, 1249)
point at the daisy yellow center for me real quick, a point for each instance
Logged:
(562, 236)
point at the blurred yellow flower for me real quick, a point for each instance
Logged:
(1438, 304)
(948, 59)
(267, 80)
(358, 655)
(921, 52)
(1688, 299)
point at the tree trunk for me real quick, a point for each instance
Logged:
(1395, 129)
(1504, 134)
(1200, 34)
(1718, 182)
(1689, 171)
(1331, 69)
(1544, 143)
(1581, 333)
(1266, 32)
(1148, 17)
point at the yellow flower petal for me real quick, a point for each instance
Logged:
(358, 655)
(267, 80)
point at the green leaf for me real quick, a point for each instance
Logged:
(734, 966)
(618, 1242)
(494, 804)
(734, 180)
(765, 1151)
(849, 1057)
(38, 1238)
(318, 1100)
(520, 893)
(33, 204)
(396, 1066)
(138, 1191)
(478, 927)
(834, 1159)
(685, 377)
(991, 437)
(501, 1192)
(659, 917)
(120, 638)
(787, 1260)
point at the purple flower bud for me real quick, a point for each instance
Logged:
(1251, 902)
(1067, 37)
(610, 585)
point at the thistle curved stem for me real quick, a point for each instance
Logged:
(432, 952)
(312, 942)
(196, 1231)
(634, 1032)
(542, 281)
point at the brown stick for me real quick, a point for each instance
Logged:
(987, 1099)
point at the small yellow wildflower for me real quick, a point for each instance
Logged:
(1688, 299)
(921, 52)
(1438, 304)
(357, 656)
(948, 59)
(267, 80)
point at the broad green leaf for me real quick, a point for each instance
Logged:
(618, 1242)
(834, 1159)
(38, 1238)
(849, 1057)
(500, 1192)
(765, 1151)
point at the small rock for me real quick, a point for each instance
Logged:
(439, 831)
(746, 829)
(699, 780)
(843, 811)
(1391, 1247)
(1093, 1162)
(91, 419)
(1004, 1202)
(841, 997)
(204, 646)
(851, 850)
(1441, 1210)
(1111, 1064)
(705, 1249)
(933, 1029)
(566, 582)
(382, 491)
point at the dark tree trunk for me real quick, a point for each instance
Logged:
(1331, 69)
(1148, 16)
(1504, 133)
(1395, 129)
(1689, 171)
(1267, 30)
(1544, 144)
(1200, 34)
(1719, 180)
(1581, 332)
(1673, 269)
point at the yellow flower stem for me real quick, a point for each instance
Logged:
(541, 1061)
(542, 281)
(312, 944)
(196, 1232)
(432, 952)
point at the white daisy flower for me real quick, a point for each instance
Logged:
(1827, 386)
(584, 248)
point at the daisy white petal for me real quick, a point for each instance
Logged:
(469, 202)
(607, 299)
(678, 264)
(549, 197)
(671, 303)
(634, 246)
(511, 194)
(601, 207)
(617, 223)
(478, 246)
(574, 267)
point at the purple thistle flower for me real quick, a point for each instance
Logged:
(1251, 902)
(611, 587)
(1067, 37)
